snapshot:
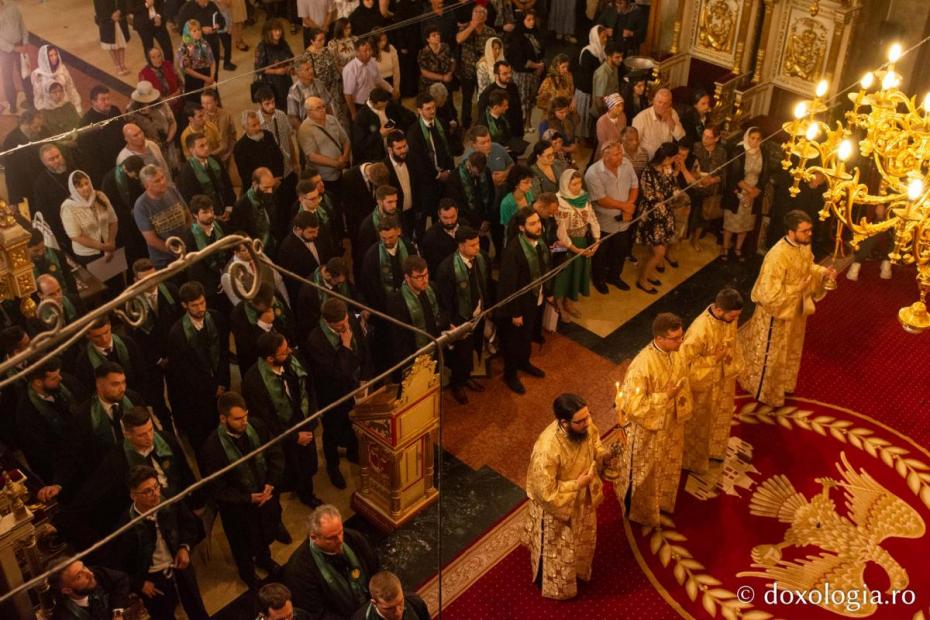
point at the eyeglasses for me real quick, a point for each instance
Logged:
(419, 276)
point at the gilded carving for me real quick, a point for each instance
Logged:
(718, 25)
(807, 46)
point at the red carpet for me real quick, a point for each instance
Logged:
(856, 357)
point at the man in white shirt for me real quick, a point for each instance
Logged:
(138, 144)
(360, 76)
(658, 123)
(613, 188)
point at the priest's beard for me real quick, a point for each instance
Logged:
(575, 436)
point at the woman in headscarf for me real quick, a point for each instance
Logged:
(112, 23)
(484, 68)
(742, 200)
(88, 219)
(160, 74)
(577, 229)
(61, 116)
(525, 50)
(195, 60)
(611, 123)
(558, 83)
(591, 57)
(562, 20)
(270, 55)
(52, 69)
(657, 186)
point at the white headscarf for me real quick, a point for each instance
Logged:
(44, 65)
(76, 196)
(489, 58)
(745, 143)
(594, 44)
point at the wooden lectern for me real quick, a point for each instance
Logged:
(396, 439)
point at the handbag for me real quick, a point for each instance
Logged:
(550, 320)
(710, 207)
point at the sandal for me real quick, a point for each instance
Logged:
(242, 46)
(651, 291)
(654, 282)
(672, 263)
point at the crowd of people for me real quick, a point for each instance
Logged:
(428, 213)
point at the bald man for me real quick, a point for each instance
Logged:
(138, 144)
(324, 142)
(658, 123)
(252, 213)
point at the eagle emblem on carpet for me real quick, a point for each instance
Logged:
(874, 514)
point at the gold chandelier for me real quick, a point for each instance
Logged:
(892, 130)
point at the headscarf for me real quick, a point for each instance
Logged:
(612, 100)
(745, 142)
(594, 44)
(186, 33)
(489, 59)
(44, 65)
(577, 201)
(75, 196)
(48, 91)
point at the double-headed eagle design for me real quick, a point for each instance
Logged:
(849, 542)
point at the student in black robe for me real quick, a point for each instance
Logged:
(329, 238)
(102, 589)
(382, 269)
(299, 252)
(417, 304)
(254, 211)
(253, 317)
(472, 189)
(102, 345)
(386, 197)
(333, 276)
(247, 497)
(429, 158)
(46, 260)
(206, 229)
(278, 390)
(204, 174)
(123, 187)
(390, 600)
(439, 240)
(358, 193)
(198, 364)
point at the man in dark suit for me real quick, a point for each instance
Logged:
(152, 335)
(333, 276)
(275, 603)
(382, 269)
(122, 186)
(390, 602)
(156, 552)
(503, 80)
(209, 272)
(329, 239)
(401, 177)
(104, 346)
(253, 317)
(247, 499)
(358, 193)
(85, 593)
(329, 573)
(340, 360)
(429, 158)
(387, 204)
(204, 174)
(439, 240)
(417, 304)
(198, 364)
(277, 389)
(472, 188)
(463, 282)
(369, 128)
(299, 251)
(525, 259)
(46, 260)
(253, 211)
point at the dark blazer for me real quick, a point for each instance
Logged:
(514, 112)
(366, 237)
(132, 552)
(357, 199)
(112, 589)
(736, 171)
(447, 290)
(514, 275)
(222, 195)
(393, 182)
(403, 341)
(422, 168)
(472, 214)
(153, 341)
(87, 451)
(367, 142)
(338, 370)
(229, 490)
(436, 245)
(246, 333)
(411, 601)
(371, 276)
(294, 255)
(135, 366)
(250, 155)
(261, 405)
(308, 587)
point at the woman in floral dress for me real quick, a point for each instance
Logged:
(657, 186)
(328, 74)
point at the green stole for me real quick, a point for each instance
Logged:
(323, 214)
(282, 404)
(532, 258)
(262, 219)
(415, 309)
(252, 314)
(149, 322)
(428, 137)
(317, 278)
(47, 411)
(161, 449)
(376, 218)
(190, 333)
(465, 306)
(52, 265)
(217, 260)
(233, 454)
(332, 337)
(498, 127)
(100, 421)
(372, 614)
(468, 187)
(121, 352)
(122, 185)
(353, 592)
(206, 183)
(384, 260)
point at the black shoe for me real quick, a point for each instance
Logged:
(601, 288)
(283, 537)
(620, 284)
(335, 476)
(313, 501)
(534, 371)
(672, 263)
(654, 282)
(269, 565)
(228, 66)
(252, 581)
(515, 384)
(458, 393)
(651, 291)
(661, 269)
(632, 259)
(539, 340)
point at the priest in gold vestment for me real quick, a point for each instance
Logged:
(785, 291)
(652, 406)
(715, 360)
(564, 489)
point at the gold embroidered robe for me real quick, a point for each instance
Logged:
(713, 387)
(784, 293)
(561, 527)
(654, 424)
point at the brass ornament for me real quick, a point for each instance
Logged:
(717, 25)
(806, 49)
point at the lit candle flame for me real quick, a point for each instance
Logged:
(800, 110)
(844, 152)
(812, 132)
(822, 87)
(914, 189)
(895, 52)
(867, 80)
